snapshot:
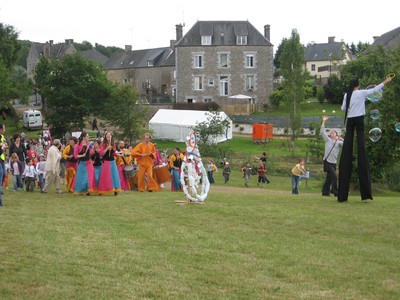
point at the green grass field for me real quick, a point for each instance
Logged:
(243, 243)
(254, 243)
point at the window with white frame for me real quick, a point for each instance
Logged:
(249, 85)
(313, 67)
(211, 81)
(198, 60)
(150, 63)
(223, 85)
(241, 40)
(206, 40)
(198, 83)
(249, 60)
(207, 99)
(223, 60)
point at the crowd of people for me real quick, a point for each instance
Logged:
(106, 166)
(99, 167)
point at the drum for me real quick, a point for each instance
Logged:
(133, 181)
(130, 171)
(161, 173)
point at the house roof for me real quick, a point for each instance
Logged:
(181, 117)
(223, 33)
(385, 38)
(94, 55)
(324, 52)
(139, 58)
(56, 50)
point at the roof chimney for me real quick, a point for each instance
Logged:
(69, 42)
(128, 48)
(267, 32)
(179, 32)
(46, 49)
(51, 43)
(172, 44)
(331, 39)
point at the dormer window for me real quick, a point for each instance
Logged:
(241, 40)
(206, 40)
(150, 63)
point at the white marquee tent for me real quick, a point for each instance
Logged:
(175, 125)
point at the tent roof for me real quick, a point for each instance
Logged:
(181, 117)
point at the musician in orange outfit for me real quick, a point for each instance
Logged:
(72, 163)
(144, 153)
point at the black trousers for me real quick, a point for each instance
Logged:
(346, 161)
(330, 184)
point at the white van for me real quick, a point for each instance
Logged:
(32, 119)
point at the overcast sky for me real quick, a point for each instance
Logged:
(151, 24)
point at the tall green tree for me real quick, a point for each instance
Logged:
(123, 112)
(277, 57)
(22, 86)
(73, 88)
(6, 88)
(371, 68)
(294, 74)
(9, 46)
(13, 81)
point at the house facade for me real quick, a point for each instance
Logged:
(148, 71)
(48, 49)
(216, 60)
(323, 60)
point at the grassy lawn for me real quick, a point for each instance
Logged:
(309, 108)
(243, 243)
(255, 243)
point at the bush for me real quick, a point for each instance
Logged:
(218, 151)
(320, 94)
(392, 177)
(276, 98)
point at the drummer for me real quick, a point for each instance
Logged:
(122, 160)
(175, 163)
(157, 160)
(144, 153)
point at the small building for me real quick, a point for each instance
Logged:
(175, 125)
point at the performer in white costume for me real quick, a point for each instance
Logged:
(192, 170)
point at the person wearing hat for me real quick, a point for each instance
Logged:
(226, 172)
(53, 167)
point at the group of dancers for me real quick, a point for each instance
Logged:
(108, 167)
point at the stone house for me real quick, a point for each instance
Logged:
(322, 60)
(48, 49)
(216, 60)
(149, 71)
